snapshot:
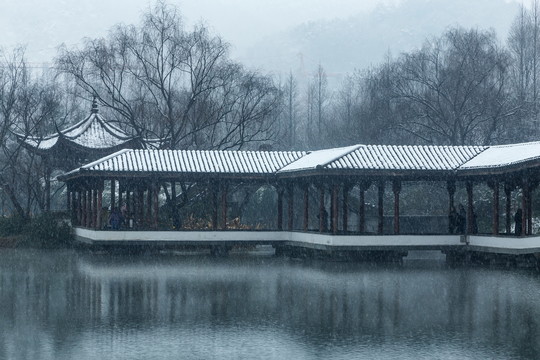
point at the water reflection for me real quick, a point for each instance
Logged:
(67, 305)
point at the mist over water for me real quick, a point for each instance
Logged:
(67, 305)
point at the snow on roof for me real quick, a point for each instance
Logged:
(357, 157)
(93, 132)
(399, 157)
(318, 158)
(195, 161)
(504, 155)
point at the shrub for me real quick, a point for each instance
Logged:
(46, 230)
(14, 225)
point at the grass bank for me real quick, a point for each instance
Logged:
(47, 230)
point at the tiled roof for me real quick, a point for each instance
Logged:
(504, 155)
(195, 161)
(359, 157)
(92, 133)
(396, 157)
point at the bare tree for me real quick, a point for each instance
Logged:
(170, 83)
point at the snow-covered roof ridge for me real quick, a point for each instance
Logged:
(319, 158)
(497, 156)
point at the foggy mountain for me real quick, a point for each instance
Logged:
(342, 45)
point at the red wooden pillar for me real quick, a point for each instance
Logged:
(345, 208)
(89, 208)
(80, 207)
(155, 203)
(451, 187)
(129, 205)
(380, 225)
(508, 207)
(495, 211)
(279, 208)
(524, 205)
(335, 208)
(140, 206)
(306, 207)
(363, 186)
(290, 207)
(396, 188)
(223, 206)
(94, 207)
(99, 205)
(84, 208)
(113, 195)
(149, 202)
(470, 207)
(120, 190)
(322, 211)
(68, 198)
(215, 205)
(74, 208)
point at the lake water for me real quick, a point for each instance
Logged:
(69, 305)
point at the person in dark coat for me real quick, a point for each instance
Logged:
(115, 219)
(518, 219)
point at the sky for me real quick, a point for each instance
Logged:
(42, 25)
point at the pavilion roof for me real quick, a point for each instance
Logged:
(92, 133)
(427, 159)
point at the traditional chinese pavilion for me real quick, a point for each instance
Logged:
(85, 141)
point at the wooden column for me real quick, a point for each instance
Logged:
(155, 204)
(322, 211)
(224, 206)
(279, 208)
(140, 206)
(290, 207)
(120, 190)
(495, 212)
(362, 186)
(149, 206)
(215, 206)
(396, 188)
(451, 187)
(380, 191)
(129, 207)
(306, 207)
(335, 208)
(80, 207)
(99, 205)
(530, 188)
(345, 208)
(68, 198)
(508, 207)
(113, 195)
(524, 205)
(92, 203)
(84, 208)
(74, 208)
(470, 207)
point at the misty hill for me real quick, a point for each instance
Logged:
(342, 45)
